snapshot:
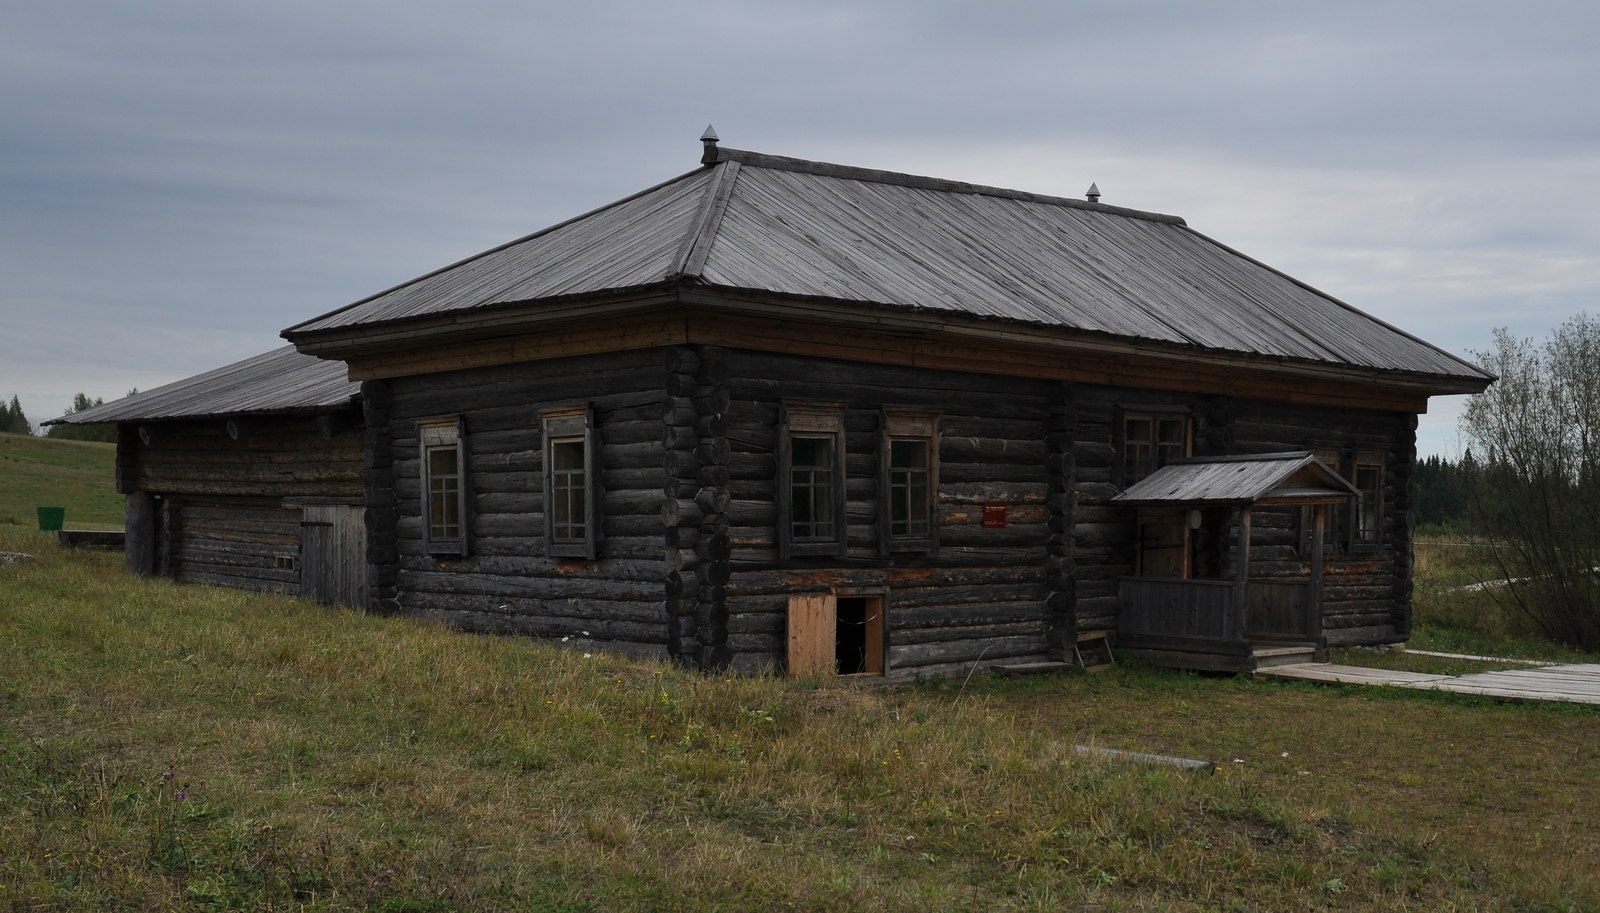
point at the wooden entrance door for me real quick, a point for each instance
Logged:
(333, 554)
(1163, 547)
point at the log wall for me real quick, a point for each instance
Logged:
(508, 582)
(982, 595)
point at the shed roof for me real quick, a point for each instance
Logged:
(755, 223)
(282, 381)
(1295, 476)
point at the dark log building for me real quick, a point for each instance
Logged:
(782, 414)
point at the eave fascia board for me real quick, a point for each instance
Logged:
(487, 321)
(1067, 342)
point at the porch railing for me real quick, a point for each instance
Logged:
(1206, 610)
(1176, 608)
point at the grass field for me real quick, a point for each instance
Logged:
(181, 747)
(44, 472)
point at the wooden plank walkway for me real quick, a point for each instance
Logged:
(1579, 684)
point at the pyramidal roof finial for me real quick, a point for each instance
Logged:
(709, 141)
(1093, 195)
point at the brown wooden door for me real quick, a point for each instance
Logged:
(1164, 548)
(813, 626)
(333, 554)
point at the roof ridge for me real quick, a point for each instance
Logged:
(493, 250)
(716, 154)
(702, 234)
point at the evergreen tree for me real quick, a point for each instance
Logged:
(98, 432)
(12, 421)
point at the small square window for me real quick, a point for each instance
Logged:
(1151, 441)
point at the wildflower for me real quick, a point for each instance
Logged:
(1284, 755)
(181, 794)
(588, 656)
(169, 775)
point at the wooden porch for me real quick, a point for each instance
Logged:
(1240, 624)
(1209, 625)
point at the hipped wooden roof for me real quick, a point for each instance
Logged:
(754, 224)
(282, 381)
(1289, 478)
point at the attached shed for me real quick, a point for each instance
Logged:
(776, 413)
(249, 476)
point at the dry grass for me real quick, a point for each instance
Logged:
(321, 759)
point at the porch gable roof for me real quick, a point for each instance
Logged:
(1294, 477)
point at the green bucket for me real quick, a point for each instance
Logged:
(52, 518)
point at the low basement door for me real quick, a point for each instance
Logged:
(842, 635)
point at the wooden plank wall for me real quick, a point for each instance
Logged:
(238, 542)
(983, 594)
(282, 458)
(219, 503)
(507, 583)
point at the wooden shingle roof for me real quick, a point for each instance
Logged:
(281, 381)
(760, 224)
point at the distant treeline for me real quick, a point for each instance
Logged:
(14, 421)
(1444, 491)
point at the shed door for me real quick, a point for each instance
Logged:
(813, 628)
(333, 554)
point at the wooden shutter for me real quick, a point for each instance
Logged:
(813, 624)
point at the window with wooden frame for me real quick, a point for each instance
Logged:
(445, 522)
(811, 518)
(1150, 440)
(571, 489)
(909, 480)
(1366, 526)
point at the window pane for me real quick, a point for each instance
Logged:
(1171, 442)
(909, 504)
(568, 490)
(444, 493)
(811, 487)
(1135, 449)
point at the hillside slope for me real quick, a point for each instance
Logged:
(47, 472)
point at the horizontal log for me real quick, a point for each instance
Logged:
(1032, 629)
(989, 648)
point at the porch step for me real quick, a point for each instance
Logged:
(1288, 655)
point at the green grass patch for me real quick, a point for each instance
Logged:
(47, 472)
(184, 747)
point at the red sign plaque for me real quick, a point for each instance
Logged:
(994, 515)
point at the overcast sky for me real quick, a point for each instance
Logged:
(181, 180)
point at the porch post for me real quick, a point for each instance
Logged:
(1314, 623)
(1241, 573)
